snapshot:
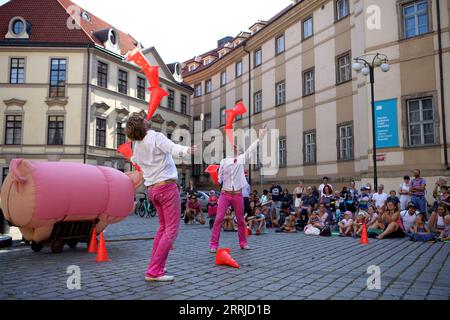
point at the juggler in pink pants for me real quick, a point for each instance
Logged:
(237, 202)
(166, 199)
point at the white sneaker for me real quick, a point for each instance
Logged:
(159, 279)
(212, 250)
(246, 248)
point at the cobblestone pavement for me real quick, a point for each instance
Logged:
(280, 266)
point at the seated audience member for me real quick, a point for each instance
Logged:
(212, 207)
(289, 224)
(251, 212)
(327, 195)
(393, 197)
(323, 215)
(393, 222)
(364, 199)
(409, 216)
(264, 197)
(445, 234)
(228, 221)
(194, 211)
(309, 203)
(373, 216)
(362, 218)
(437, 222)
(419, 231)
(314, 225)
(346, 225)
(255, 197)
(379, 198)
(444, 197)
(259, 222)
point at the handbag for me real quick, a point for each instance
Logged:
(325, 231)
(312, 231)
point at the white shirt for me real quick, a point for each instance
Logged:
(232, 173)
(246, 190)
(408, 220)
(379, 199)
(154, 156)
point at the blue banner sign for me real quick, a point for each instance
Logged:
(386, 123)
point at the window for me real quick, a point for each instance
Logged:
(100, 133)
(171, 100)
(183, 104)
(258, 57)
(279, 45)
(344, 72)
(421, 127)
(198, 90)
(17, 72)
(342, 9)
(239, 69)
(192, 67)
(13, 134)
(121, 138)
(197, 169)
(207, 121)
(18, 27)
(310, 148)
(257, 100)
(280, 93)
(55, 133)
(223, 116)
(415, 18)
(123, 82)
(102, 75)
(223, 78)
(5, 173)
(58, 78)
(308, 82)
(345, 142)
(307, 28)
(141, 88)
(282, 152)
(208, 86)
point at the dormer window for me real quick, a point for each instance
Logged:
(18, 29)
(113, 37)
(86, 16)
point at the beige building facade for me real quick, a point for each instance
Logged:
(294, 73)
(64, 101)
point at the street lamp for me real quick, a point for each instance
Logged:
(366, 65)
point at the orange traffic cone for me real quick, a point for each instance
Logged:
(102, 254)
(364, 237)
(248, 232)
(223, 257)
(93, 247)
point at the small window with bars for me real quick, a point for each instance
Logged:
(123, 82)
(102, 74)
(100, 133)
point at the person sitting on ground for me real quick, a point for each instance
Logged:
(419, 231)
(444, 198)
(251, 213)
(346, 225)
(409, 217)
(309, 204)
(393, 222)
(194, 211)
(258, 223)
(373, 216)
(264, 197)
(228, 224)
(289, 225)
(379, 198)
(362, 218)
(314, 224)
(254, 196)
(327, 195)
(437, 223)
(393, 197)
(445, 234)
(212, 207)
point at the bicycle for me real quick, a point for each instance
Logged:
(146, 208)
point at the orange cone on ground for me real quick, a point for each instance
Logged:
(102, 254)
(224, 258)
(93, 247)
(364, 237)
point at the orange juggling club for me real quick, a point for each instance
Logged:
(138, 58)
(240, 109)
(125, 150)
(157, 93)
(152, 75)
(213, 171)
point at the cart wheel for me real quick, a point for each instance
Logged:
(57, 246)
(36, 247)
(72, 244)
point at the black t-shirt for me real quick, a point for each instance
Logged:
(276, 193)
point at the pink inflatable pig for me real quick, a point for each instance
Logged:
(37, 195)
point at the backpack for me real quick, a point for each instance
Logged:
(325, 231)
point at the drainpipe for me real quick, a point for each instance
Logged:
(88, 87)
(250, 103)
(441, 78)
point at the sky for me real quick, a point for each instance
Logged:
(182, 29)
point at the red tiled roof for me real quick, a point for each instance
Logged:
(49, 19)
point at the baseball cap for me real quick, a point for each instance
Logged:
(412, 205)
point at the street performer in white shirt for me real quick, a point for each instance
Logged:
(232, 179)
(153, 152)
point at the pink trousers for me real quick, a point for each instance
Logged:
(166, 199)
(237, 202)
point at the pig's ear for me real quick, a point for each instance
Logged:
(20, 169)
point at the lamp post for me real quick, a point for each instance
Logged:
(366, 65)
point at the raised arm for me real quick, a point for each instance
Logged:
(167, 146)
